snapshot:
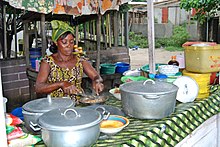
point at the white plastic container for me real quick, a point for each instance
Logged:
(5, 100)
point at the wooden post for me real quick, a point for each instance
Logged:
(126, 28)
(122, 29)
(77, 35)
(115, 28)
(26, 42)
(5, 32)
(35, 34)
(84, 30)
(109, 30)
(44, 42)
(150, 17)
(15, 30)
(104, 34)
(98, 32)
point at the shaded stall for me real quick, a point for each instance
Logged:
(99, 28)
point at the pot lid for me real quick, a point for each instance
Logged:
(188, 89)
(46, 104)
(148, 87)
(69, 119)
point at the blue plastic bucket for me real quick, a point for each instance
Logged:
(121, 67)
(34, 54)
(18, 112)
(33, 62)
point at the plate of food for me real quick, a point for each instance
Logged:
(113, 125)
(116, 93)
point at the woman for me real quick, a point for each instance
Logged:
(61, 73)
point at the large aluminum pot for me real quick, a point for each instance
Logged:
(149, 99)
(35, 108)
(78, 127)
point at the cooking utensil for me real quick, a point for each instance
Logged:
(71, 127)
(111, 109)
(93, 99)
(35, 108)
(188, 89)
(149, 99)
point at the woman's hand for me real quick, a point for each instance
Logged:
(98, 87)
(69, 88)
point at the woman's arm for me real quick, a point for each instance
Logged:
(41, 83)
(94, 76)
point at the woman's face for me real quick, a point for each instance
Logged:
(65, 45)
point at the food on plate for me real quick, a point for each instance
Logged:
(117, 90)
(111, 124)
(93, 99)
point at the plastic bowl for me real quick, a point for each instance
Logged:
(146, 67)
(116, 93)
(121, 67)
(168, 70)
(114, 124)
(107, 68)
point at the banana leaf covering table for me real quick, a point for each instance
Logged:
(168, 131)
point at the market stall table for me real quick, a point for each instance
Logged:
(168, 131)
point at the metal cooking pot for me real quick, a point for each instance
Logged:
(33, 109)
(149, 99)
(76, 127)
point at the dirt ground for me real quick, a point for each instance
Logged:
(140, 57)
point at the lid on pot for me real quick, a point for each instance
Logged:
(188, 89)
(69, 119)
(148, 87)
(46, 104)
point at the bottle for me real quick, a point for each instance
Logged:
(173, 61)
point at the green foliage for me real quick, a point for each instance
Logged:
(180, 36)
(204, 8)
(137, 40)
(173, 48)
(124, 8)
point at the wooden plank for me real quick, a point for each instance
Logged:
(109, 30)
(77, 35)
(44, 42)
(200, 133)
(15, 30)
(5, 32)
(26, 43)
(126, 18)
(151, 38)
(115, 28)
(98, 29)
(104, 33)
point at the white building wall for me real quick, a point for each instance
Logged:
(158, 14)
(177, 16)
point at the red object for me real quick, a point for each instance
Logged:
(16, 120)
(16, 133)
(194, 12)
(198, 42)
(214, 78)
(164, 15)
(173, 61)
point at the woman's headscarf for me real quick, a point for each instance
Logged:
(59, 28)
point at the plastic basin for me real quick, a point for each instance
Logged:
(121, 67)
